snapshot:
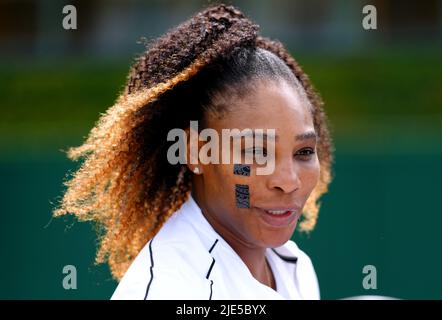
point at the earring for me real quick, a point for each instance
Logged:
(196, 170)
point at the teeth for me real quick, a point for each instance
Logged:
(276, 211)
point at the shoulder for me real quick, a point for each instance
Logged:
(290, 250)
(305, 272)
(172, 265)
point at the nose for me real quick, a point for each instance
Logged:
(285, 177)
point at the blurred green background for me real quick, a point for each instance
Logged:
(383, 95)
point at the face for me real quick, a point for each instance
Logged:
(276, 199)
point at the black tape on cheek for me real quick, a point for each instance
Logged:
(241, 170)
(242, 196)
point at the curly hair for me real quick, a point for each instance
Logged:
(125, 183)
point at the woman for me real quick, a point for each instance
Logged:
(204, 229)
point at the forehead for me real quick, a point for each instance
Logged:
(268, 104)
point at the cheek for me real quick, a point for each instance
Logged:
(221, 181)
(231, 197)
(310, 175)
(236, 189)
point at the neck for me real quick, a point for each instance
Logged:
(255, 260)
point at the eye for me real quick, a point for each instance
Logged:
(256, 151)
(305, 154)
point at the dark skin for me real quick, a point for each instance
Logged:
(272, 105)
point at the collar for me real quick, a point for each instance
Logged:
(209, 237)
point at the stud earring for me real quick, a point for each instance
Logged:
(196, 170)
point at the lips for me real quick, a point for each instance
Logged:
(278, 212)
(279, 216)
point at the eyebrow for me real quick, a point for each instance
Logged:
(252, 134)
(309, 135)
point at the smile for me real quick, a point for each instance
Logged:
(279, 217)
(278, 212)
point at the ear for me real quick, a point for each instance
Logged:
(192, 149)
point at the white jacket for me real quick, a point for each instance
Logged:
(187, 259)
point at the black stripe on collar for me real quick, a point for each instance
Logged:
(213, 246)
(151, 269)
(285, 258)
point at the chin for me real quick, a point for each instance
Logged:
(277, 239)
